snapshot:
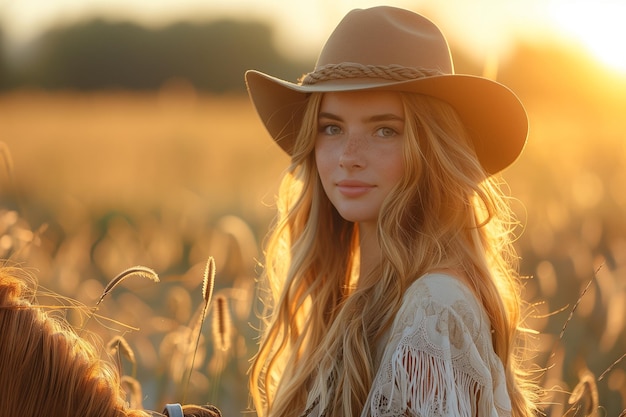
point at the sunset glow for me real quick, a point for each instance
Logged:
(597, 27)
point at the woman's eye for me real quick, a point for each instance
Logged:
(331, 130)
(386, 132)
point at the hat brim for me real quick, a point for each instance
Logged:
(492, 114)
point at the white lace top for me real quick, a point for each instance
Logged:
(438, 358)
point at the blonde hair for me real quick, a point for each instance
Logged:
(321, 331)
(46, 368)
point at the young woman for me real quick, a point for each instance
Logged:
(392, 284)
(46, 369)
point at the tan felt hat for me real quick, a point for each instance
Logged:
(389, 48)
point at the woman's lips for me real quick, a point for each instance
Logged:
(352, 188)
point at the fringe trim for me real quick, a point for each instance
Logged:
(425, 385)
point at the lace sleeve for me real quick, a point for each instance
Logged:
(439, 359)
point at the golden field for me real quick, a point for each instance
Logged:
(94, 183)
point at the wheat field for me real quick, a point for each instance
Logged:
(94, 183)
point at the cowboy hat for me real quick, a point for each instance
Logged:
(395, 49)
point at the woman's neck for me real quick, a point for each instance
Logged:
(370, 254)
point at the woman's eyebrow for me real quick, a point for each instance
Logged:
(385, 117)
(325, 115)
(375, 118)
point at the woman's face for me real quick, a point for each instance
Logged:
(359, 150)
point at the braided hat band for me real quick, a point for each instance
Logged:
(347, 70)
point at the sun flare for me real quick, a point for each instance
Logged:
(598, 26)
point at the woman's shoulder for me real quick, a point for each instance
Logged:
(443, 327)
(442, 292)
(441, 287)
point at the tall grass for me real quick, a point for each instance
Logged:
(93, 184)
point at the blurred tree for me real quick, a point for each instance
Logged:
(100, 54)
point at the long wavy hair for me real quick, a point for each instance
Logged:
(46, 368)
(321, 330)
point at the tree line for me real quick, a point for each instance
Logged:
(213, 56)
(99, 54)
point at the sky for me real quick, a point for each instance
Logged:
(483, 27)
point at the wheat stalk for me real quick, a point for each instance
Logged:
(584, 397)
(221, 324)
(580, 297)
(610, 368)
(135, 270)
(573, 310)
(120, 346)
(8, 161)
(208, 283)
(134, 387)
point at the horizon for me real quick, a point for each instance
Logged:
(588, 27)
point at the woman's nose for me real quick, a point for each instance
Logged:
(352, 152)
